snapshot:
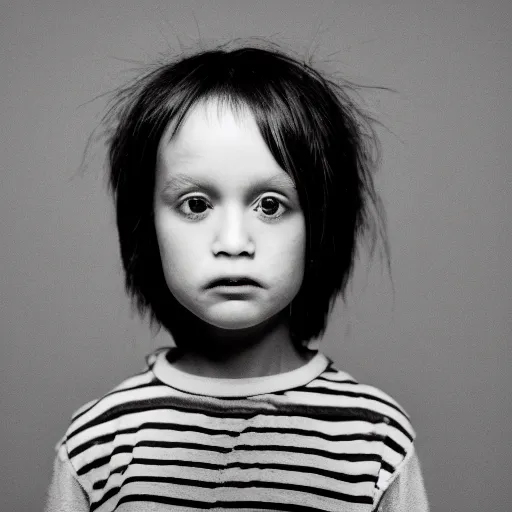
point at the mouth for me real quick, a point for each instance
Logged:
(233, 282)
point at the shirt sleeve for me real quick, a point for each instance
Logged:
(406, 492)
(65, 492)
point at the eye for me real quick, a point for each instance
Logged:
(270, 206)
(196, 207)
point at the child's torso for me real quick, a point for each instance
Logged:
(324, 446)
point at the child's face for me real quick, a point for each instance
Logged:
(229, 222)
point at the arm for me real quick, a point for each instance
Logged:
(65, 492)
(406, 492)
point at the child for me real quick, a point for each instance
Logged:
(242, 181)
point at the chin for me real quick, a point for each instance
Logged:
(238, 320)
(235, 322)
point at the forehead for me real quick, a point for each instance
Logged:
(214, 118)
(215, 136)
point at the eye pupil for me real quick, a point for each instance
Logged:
(194, 202)
(197, 206)
(270, 202)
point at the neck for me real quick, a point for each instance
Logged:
(258, 351)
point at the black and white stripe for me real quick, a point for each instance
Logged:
(331, 444)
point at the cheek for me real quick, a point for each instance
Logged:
(296, 254)
(296, 239)
(299, 251)
(184, 255)
(288, 252)
(174, 248)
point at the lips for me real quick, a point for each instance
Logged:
(233, 281)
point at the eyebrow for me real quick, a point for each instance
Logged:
(180, 181)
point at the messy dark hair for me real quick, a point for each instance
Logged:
(315, 131)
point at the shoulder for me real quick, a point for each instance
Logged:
(365, 397)
(377, 412)
(97, 429)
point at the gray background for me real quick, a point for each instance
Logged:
(442, 351)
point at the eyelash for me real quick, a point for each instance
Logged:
(197, 216)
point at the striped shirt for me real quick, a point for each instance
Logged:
(305, 440)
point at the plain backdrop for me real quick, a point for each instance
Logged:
(439, 344)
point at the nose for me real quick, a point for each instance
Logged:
(233, 236)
